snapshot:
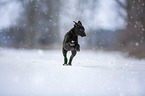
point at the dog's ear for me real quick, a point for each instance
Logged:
(76, 24)
(79, 23)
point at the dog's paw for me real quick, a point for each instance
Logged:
(64, 64)
(78, 50)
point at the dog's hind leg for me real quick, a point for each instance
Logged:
(65, 56)
(72, 56)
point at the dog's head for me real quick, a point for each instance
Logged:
(79, 29)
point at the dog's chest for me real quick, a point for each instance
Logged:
(74, 38)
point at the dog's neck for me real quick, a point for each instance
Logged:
(72, 31)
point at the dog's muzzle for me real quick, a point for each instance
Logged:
(83, 35)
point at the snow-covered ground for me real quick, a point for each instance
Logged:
(94, 73)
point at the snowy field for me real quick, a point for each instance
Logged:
(94, 73)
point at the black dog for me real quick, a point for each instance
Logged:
(70, 42)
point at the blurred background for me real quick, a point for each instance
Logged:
(114, 25)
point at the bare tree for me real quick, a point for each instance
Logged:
(133, 37)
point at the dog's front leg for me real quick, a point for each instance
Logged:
(77, 47)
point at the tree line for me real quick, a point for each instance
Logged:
(40, 21)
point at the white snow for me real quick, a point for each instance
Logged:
(94, 73)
